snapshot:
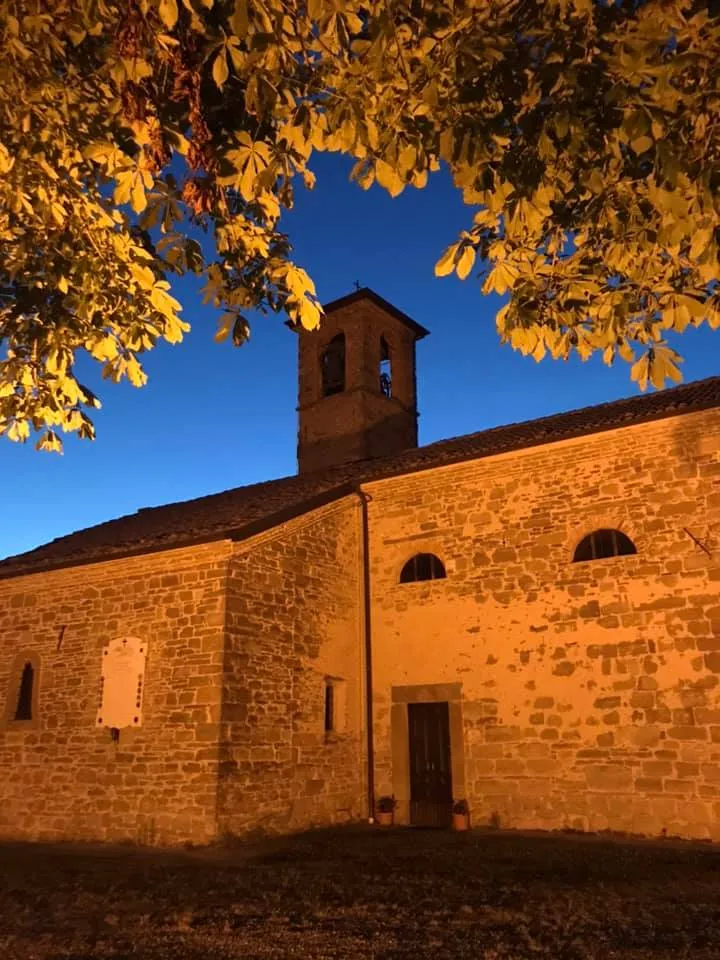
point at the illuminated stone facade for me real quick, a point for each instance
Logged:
(589, 692)
(581, 695)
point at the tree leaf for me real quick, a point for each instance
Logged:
(220, 71)
(446, 263)
(465, 262)
(168, 13)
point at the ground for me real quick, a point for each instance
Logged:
(365, 893)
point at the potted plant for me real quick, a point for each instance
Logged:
(384, 810)
(461, 815)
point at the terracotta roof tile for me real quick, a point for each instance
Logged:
(239, 512)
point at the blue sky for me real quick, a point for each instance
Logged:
(214, 417)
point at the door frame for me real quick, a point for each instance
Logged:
(451, 693)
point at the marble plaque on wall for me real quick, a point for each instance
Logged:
(121, 683)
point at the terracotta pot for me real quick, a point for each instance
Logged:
(384, 818)
(461, 821)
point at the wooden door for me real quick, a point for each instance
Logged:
(430, 771)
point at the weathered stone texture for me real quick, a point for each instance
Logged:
(293, 621)
(61, 777)
(591, 690)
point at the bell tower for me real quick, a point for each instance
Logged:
(357, 395)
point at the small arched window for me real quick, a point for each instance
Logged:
(23, 709)
(423, 566)
(601, 544)
(332, 366)
(21, 705)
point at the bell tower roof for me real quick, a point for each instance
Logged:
(365, 293)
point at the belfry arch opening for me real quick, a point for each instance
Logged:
(332, 366)
(385, 371)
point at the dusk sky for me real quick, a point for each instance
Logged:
(214, 417)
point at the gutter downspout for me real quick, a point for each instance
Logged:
(367, 636)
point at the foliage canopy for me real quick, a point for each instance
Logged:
(583, 134)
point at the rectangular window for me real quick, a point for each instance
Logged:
(329, 707)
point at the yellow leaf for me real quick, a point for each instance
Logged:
(163, 302)
(135, 373)
(372, 133)
(407, 157)
(124, 185)
(500, 279)
(51, 442)
(137, 69)
(169, 13)
(446, 144)
(700, 240)
(6, 161)
(220, 71)
(143, 276)
(19, 431)
(363, 173)
(626, 351)
(138, 200)
(104, 349)
(58, 212)
(419, 180)
(225, 325)
(641, 144)
(239, 21)
(446, 263)
(388, 178)
(639, 372)
(307, 311)
(465, 263)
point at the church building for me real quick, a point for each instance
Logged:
(525, 618)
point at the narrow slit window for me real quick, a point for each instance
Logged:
(385, 369)
(23, 710)
(329, 707)
(423, 566)
(601, 544)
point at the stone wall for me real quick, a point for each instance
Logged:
(61, 776)
(293, 623)
(590, 694)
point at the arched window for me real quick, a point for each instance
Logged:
(21, 705)
(23, 709)
(604, 543)
(385, 368)
(423, 566)
(332, 366)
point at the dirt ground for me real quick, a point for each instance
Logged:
(364, 893)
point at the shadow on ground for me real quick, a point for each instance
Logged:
(364, 893)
